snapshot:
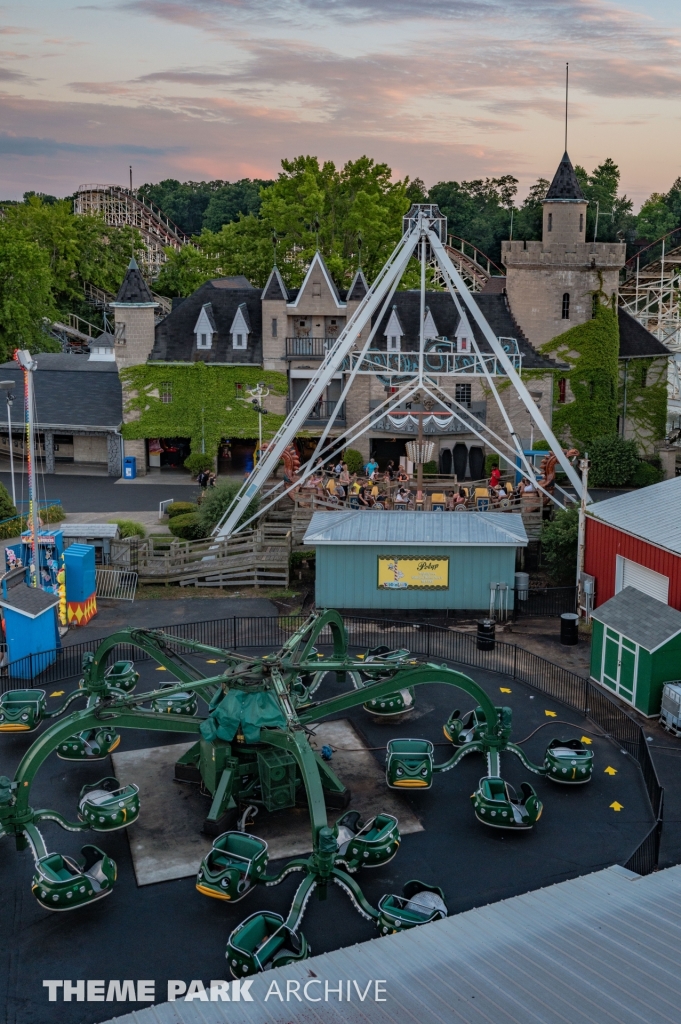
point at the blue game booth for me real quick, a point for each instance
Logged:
(31, 625)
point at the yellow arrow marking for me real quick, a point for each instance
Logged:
(610, 771)
(161, 668)
(211, 661)
(360, 657)
(550, 714)
(57, 693)
(504, 689)
(584, 739)
(616, 807)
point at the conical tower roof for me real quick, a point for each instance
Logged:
(565, 187)
(134, 290)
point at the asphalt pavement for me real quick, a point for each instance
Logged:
(102, 493)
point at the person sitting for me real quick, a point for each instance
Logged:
(365, 500)
(331, 486)
(340, 492)
(450, 501)
(460, 498)
(338, 469)
(402, 476)
(355, 485)
(403, 496)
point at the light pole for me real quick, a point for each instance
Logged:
(258, 394)
(8, 387)
(584, 465)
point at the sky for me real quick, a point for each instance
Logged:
(438, 89)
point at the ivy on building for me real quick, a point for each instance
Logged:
(645, 398)
(591, 351)
(197, 400)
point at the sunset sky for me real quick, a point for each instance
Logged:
(225, 88)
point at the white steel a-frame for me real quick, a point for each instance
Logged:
(424, 235)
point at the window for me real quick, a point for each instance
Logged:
(566, 306)
(203, 343)
(239, 340)
(594, 306)
(462, 393)
(302, 323)
(166, 393)
(274, 327)
(550, 223)
(393, 343)
(120, 334)
(562, 390)
(581, 222)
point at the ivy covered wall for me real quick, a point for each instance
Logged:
(198, 401)
(645, 383)
(591, 350)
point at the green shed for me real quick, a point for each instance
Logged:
(636, 648)
(413, 560)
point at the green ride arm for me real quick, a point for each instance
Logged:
(69, 700)
(89, 718)
(522, 756)
(474, 747)
(404, 677)
(69, 826)
(152, 643)
(298, 864)
(355, 893)
(303, 893)
(335, 622)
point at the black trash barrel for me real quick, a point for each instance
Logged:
(486, 634)
(568, 629)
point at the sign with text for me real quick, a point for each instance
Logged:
(415, 572)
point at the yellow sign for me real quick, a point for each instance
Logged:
(422, 572)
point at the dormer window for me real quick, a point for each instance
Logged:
(464, 335)
(430, 331)
(241, 328)
(205, 328)
(394, 332)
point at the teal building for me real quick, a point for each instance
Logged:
(397, 561)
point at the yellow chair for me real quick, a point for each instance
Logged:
(437, 502)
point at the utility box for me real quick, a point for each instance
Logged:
(130, 467)
(81, 583)
(670, 711)
(31, 628)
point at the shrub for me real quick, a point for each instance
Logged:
(198, 461)
(297, 557)
(52, 514)
(7, 509)
(559, 545)
(354, 460)
(613, 461)
(491, 460)
(646, 474)
(216, 501)
(187, 527)
(430, 467)
(129, 528)
(181, 508)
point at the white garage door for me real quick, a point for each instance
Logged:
(631, 574)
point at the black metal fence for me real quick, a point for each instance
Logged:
(549, 602)
(432, 641)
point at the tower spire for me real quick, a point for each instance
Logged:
(567, 87)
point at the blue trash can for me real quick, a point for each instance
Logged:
(129, 467)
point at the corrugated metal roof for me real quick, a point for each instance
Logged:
(640, 618)
(109, 530)
(653, 513)
(469, 529)
(600, 949)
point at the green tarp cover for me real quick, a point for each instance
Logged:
(251, 711)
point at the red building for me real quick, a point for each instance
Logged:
(634, 540)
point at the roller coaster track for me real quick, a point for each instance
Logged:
(651, 292)
(120, 206)
(474, 266)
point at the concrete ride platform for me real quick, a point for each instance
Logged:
(166, 840)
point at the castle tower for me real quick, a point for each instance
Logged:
(551, 284)
(134, 318)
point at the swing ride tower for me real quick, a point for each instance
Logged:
(422, 376)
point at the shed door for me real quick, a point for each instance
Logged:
(620, 665)
(632, 574)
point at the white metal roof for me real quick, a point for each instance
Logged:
(451, 529)
(651, 513)
(97, 530)
(600, 949)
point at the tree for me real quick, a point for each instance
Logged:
(528, 220)
(25, 295)
(559, 545)
(601, 189)
(349, 213)
(195, 205)
(655, 218)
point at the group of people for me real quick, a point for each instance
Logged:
(206, 478)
